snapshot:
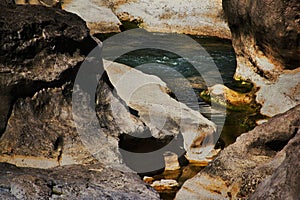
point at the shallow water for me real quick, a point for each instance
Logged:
(182, 77)
(186, 83)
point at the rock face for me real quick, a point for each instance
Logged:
(71, 182)
(284, 182)
(41, 51)
(265, 37)
(189, 17)
(263, 155)
(32, 36)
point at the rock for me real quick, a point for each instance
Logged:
(265, 37)
(284, 183)
(171, 161)
(7, 2)
(231, 99)
(191, 17)
(39, 48)
(98, 15)
(148, 179)
(164, 184)
(164, 115)
(260, 155)
(36, 140)
(39, 59)
(71, 182)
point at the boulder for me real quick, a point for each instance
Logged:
(189, 17)
(284, 182)
(263, 155)
(40, 47)
(97, 14)
(229, 98)
(149, 98)
(265, 37)
(71, 182)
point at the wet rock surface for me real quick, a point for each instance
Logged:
(71, 182)
(263, 155)
(265, 37)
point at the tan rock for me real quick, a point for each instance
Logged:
(189, 17)
(229, 98)
(171, 161)
(252, 159)
(164, 116)
(164, 184)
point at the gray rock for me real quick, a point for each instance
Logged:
(155, 108)
(97, 14)
(263, 154)
(284, 183)
(265, 37)
(71, 182)
(40, 47)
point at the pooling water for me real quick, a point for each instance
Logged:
(181, 75)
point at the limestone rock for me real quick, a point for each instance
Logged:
(71, 182)
(265, 37)
(171, 161)
(284, 183)
(164, 184)
(231, 99)
(261, 155)
(40, 47)
(97, 14)
(189, 17)
(149, 97)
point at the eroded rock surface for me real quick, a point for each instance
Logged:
(40, 47)
(71, 182)
(261, 155)
(97, 14)
(189, 17)
(265, 37)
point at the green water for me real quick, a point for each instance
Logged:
(180, 76)
(172, 69)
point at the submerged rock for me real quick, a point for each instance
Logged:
(71, 182)
(265, 37)
(261, 155)
(231, 99)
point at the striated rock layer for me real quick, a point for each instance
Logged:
(260, 164)
(265, 37)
